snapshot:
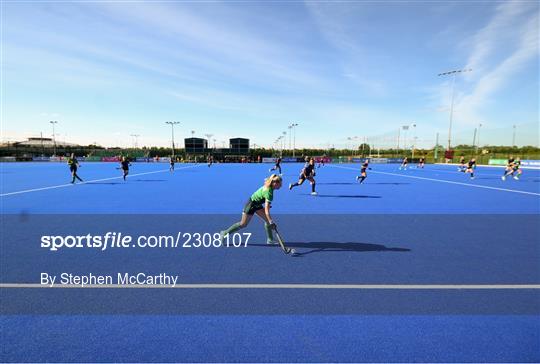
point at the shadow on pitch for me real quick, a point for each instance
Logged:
(343, 196)
(336, 183)
(387, 183)
(365, 183)
(148, 180)
(104, 183)
(323, 247)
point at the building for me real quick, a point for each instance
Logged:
(195, 145)
(239, 146)
(38, 142)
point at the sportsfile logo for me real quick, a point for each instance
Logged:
(121, 240)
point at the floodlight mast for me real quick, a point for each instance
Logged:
(172, 124)
(453, 74)
(53, 122)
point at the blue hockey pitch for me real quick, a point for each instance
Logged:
(415, 265)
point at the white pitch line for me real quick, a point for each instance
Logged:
(279, 286)
(445, 181)
(86, 182)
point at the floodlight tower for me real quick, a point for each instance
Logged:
(172, 124)
(136, 136)
(53, 122)
(293, 126)
(453, 74)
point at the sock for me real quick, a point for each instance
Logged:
(472, 174)
(268, 229)
(313, 187)
(234, 227)
(73, 180)
(79, 178)
(295, 184)
(362, 179)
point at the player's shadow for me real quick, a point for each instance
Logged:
(336, 183)
(149, 180)
(387, 183)
(344, 196)
(104, 183)
(322, 247)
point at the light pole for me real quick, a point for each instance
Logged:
(453, 73)
(280, 145)
(397, 150)
(474, 140)
(172, 124)
(290, 135)
(53, 134)
(478, 139)
(135, 136)
(414, 141)
(293, 126)
(351, 139)
(406, 128)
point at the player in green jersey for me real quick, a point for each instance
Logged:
(259, 203)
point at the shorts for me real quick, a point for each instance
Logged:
(250, 207)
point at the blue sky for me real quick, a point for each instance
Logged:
(106, 70)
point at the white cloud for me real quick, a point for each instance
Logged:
(500, 50)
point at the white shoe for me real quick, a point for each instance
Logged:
(314, 193)
(270, 242)
(357, 178)
(472, 177)
(290, 186)
(516, 178)
(503, 178)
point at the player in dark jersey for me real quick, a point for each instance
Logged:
(421, 162)
(404, 164)
(210, 160)
(509, 168)
(307, 173)
(363, 173)
(124, 165)
(471, 166)
(73, 165)
(263, 196)
(462, 167)
(321, 161)
(171, 164)
(277, 167)
(515, 167)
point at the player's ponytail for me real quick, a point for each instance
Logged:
(273, 178)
